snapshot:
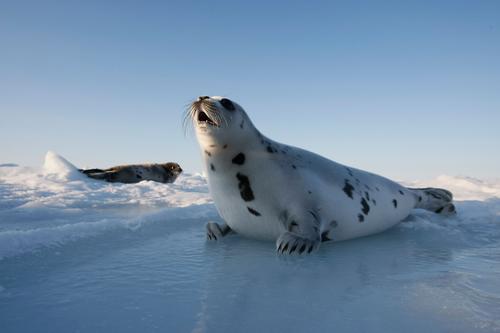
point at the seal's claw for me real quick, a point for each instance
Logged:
(213, 231)
(289, 243)
(216, 231)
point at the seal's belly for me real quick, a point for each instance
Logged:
(252, 198)
(366, 205)
(257, 217)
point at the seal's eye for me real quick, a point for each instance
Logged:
(227, 104)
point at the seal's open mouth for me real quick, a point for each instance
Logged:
(205, 119)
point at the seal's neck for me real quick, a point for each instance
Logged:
(222, 145)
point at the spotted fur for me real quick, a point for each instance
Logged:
(244, 187)
(276, 184)
(348, 188)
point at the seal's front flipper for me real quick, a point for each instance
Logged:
(216, 231)
(302, 235)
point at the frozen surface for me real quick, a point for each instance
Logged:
(79, 255)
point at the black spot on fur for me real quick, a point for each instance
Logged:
(365, 206)
(224, 147)
(253, 211)
(244, 186)
(419, 198)
(212, 146)
(138, 176)
(294, 166)
(349, 171)
(208, 153)
(270, 150)
(242, 123)
(439, 210)
(377, 189)
(334, 224)
(367, 196)
(309, 192)
(361, 218)
(374, 202)
(239, 159)
(348, 188)
(395, 203)
(357, 181)
(401, 192)
(212, 167)
(324, 236)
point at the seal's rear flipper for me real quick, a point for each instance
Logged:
(436, 200)
(87, 171)
(100, 174)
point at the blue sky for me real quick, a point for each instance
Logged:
(406, 89)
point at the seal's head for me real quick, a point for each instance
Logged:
(172, 169)
(219, 121)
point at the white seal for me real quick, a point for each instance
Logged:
(267, 190)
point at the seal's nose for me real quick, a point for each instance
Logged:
(202, 98)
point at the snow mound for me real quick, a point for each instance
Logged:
(56, 166)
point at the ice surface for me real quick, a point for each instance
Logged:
(80, 255)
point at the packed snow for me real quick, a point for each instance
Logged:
(81, 255)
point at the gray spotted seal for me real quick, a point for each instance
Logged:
(129, 174)
(268, 190)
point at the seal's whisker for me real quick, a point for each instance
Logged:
(188, 118)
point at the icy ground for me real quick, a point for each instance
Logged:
(79, 255)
